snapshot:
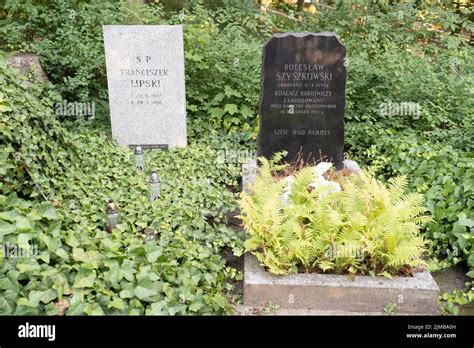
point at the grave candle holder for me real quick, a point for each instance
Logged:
(154, 186)
(139, 159)
(149, 235)
(113, 215)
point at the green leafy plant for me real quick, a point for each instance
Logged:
(270, 307)
(366, 228)
(390, 308)
(53, 188)
(449, 302)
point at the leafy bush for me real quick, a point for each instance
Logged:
(78, 263)
(366, 227)
(446, 177)
(222, 53)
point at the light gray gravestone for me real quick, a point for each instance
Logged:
(145, 75)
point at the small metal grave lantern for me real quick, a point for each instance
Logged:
(139, 159)
(154, 186)
(148, 235)
(113, 215)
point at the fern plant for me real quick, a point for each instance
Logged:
(366, 227)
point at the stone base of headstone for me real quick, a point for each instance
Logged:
(28, 63)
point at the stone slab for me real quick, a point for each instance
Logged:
(145, 76)
(324, 292)
(28, 63)
(303, 97)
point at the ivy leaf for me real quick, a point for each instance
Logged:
(5, 306)
(6, 228)
(156, 308)
(84, 279)
(25, 310)
(7, 284)
(176, 309)
(216, 112)
(194, 307)
(35, 297)
(28, 267)
(117, 302)
(153, 256)
(71, 239)
(231, 108)
(127, 270)
(23, 240)
(5, 106)
(48, 212)
(114, 274)
(23, 224)
(28, 302)
(141, 224)
(246, 111)
(51, 243)
(10, 215)
(62, 253)
(48, 296)
(91, 257)
(464, 221)
(94, 309)
(196, 278)
(144, 293)
(127, 293)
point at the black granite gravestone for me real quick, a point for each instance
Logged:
(303, 97)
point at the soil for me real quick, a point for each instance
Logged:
(452, 278)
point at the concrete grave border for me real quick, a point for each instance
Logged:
(338, 293)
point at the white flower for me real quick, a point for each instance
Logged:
(289, 180)
(319, 170)
(326, 187)
(329, 187)
(322, 168)
(285, 197)
(318, 181)
(286, 192)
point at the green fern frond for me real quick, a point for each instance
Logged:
(299, 188)
(381, 222)
(397, 187)
(406, 252)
